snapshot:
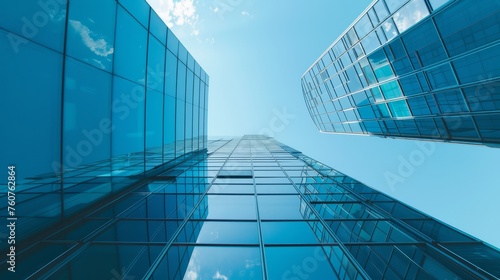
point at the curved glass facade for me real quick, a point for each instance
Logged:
(95, 96)
(423, 69)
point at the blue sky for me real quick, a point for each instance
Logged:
(255, 53)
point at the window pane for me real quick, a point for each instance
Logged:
(156, 64)
(91, 28)
(86, 87)
(131, 42)
(399, 109)
(412, 13)
(44, 25)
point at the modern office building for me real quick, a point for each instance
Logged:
(253, 208)
(96, 95)
(419, 69)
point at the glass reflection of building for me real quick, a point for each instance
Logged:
(421, 69)
(253, 208)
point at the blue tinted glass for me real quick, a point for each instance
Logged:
(410, 85)
(91, 29)
(180, 117)
(461, 127)
(86, 135)
(363, 26)
(451, 101)
(210, 263)
(158, 27)
(231, 207)
(181, 81)
(288, 233)
(380, 65)
(131, 42)
(40, 21)
(394, 4)
(399, 109)
(169, 126)
(139, 9)
(154, 121)
(423, 45)
(128, 117)
(156, 64)
(438, 3)
(183, 53)
(391, 90)
(419, 106)
(280, 207)
(384, 112)
(412, 13)
(42, 69)
(381, 10)
(441, 76)
(488, 126)
(298, 262)
(370, 42)
(171, 74)
(228, 233)
(478, 66)
(189, 86)
(483, 97)
(172, 42)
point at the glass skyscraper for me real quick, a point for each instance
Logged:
(254, 208)
(96, 95)
(419, 69)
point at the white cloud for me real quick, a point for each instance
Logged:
(219, 276)
(99, 46)
(245, 13)
(177, 13)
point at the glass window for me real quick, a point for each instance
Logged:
(353, 83)
(488, 126)
(139, 9)
(399, 109)
(451, 102)
(288, 233)
(381, 66)
(231, 207)
(284, 207)
(389, 29)
(461, 127)
(41, 68)
(363, 26)
(478, 66)
(483, 97)
(171, 74)
(154, 121)
(172, 42)
(87, 87)
(391, 90)
(377, 94)
(381, 10)
(281, 262)
(366, 112)
(438, 3)
(206, 262)
(360, 98)
(131, 42)
(367, 71)
(128, 117)
(158, 27)
(412, 13)
(410, 85)
(156, 64)
(384, 112)
(423, 45)
(370, 43)
(394, 4)
(419, 106)
(169, 127)
(40, 21)
(441, 76)
(228, 233)
(91, 28)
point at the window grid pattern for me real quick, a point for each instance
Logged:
(287, 216)
(399, 51)
(105, 98)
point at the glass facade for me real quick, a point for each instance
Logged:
(421, 69)
(254, 208)
(96, 95)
